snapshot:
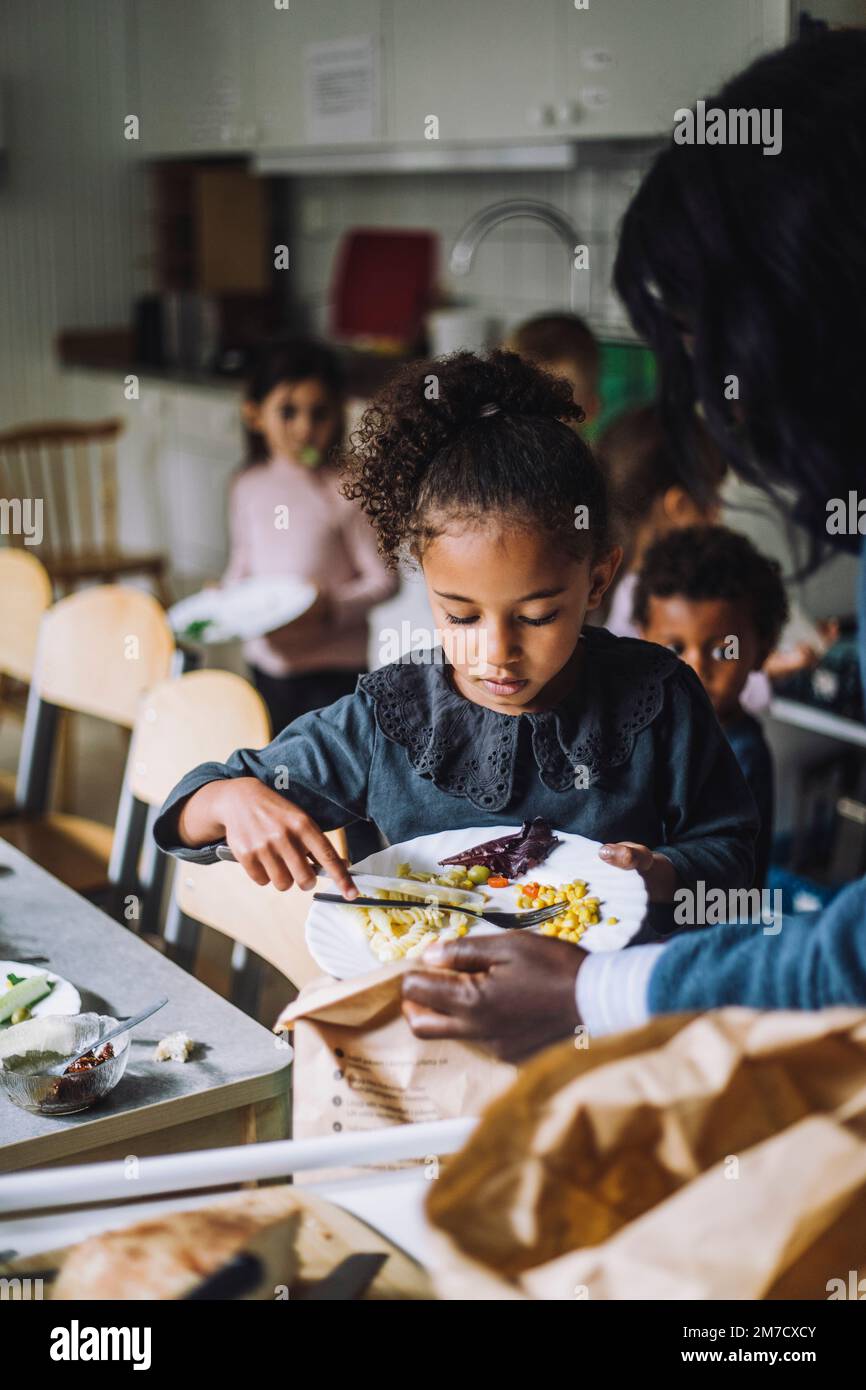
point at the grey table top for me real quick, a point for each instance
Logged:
(818, 721)
(237, 1061)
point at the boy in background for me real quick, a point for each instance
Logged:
(710, 596)
(565, 346)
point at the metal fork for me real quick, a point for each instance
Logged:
(508, 921)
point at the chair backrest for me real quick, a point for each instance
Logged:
(270, 923)
(61, 476)
(201, 717)
(25, 594)
(100, 649)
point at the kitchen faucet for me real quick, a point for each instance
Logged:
(476, 229)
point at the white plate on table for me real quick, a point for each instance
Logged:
(242, 611)
(63, 999)
(335, 934)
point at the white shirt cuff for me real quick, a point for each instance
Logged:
(613, 987)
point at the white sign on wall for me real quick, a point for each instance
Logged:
(341, 90)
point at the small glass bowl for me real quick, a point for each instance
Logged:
(65, 1095)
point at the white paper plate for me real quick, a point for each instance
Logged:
(63, 999)
(243, 611)
(335, 935)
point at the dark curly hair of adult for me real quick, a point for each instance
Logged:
(712, 562)
(762, 260)
(425, 455)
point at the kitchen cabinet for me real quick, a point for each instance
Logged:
(485, 70)
(551, 70)
(279, 39)
(624, 67)
(234, 75)
(193, 66)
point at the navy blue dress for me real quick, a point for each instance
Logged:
(634, 752)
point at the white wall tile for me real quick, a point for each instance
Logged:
(521, 267)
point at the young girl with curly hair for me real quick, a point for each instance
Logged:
(470, 468)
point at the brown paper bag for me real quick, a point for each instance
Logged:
(717, 1156)
(358, 1065)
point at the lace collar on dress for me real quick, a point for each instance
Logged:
(468, 750)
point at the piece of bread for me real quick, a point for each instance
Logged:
(166, 1257)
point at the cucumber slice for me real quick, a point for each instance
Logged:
(24, 996)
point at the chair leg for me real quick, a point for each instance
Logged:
(182, 935)
(246, 979)
(35, 759)
(154, 871)
(185, 659)
(128, 833)
(161, 587)
(64, 795)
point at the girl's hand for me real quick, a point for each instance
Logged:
(512, 992)
(268, 835)
(658, 873)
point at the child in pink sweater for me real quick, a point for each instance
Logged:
(288, 518)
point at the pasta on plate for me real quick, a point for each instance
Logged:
(395, 932)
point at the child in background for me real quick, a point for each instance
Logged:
(698, 589)
(564, 345)
(535, 714)
(649, 499)
(294, 416)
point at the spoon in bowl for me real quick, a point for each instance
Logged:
(125, 1026)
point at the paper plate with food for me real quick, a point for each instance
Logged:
(31, 991)
(241, 611)
(427, 884)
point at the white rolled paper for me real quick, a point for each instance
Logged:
(203, 1168)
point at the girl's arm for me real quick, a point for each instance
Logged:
(312, 777)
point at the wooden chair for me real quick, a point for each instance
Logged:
(98, 652)
(70, 467)
(25, 594)
(260, 921)
(203, 717)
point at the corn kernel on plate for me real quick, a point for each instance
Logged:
(602, 906)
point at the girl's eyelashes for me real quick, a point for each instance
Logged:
(531, 622)
(541, 622)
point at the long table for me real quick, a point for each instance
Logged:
(234, 1090)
